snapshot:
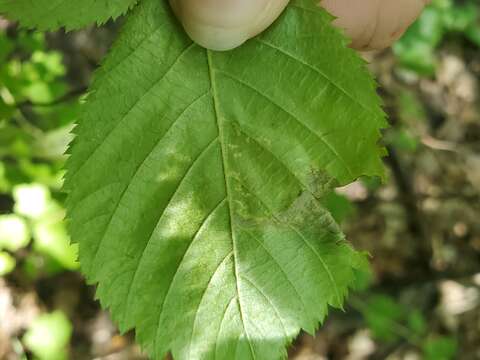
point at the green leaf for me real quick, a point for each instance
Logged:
(416, 322)
(71, 14)
(51, 239)
(31, 200)
(7, 263)
(48, 336)
(339, 206)
(440, 348)
(14, 233)
(381, 314)
(195, 178)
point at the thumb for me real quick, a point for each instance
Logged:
(374, 24)
(226, 24)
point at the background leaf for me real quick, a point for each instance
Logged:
(48, 336)
(71, 14)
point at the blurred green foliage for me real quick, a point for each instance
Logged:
(390, 321)
(34, 133)
(7, 263)
(404, 136)
(440, 348)
(416, 50)
(48, 336)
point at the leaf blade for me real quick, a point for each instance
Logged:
(211, 186)
(53, 14)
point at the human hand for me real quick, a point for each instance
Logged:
(374, 24)
(226, 24)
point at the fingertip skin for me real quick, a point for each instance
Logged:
(374, 24)
(226, 24)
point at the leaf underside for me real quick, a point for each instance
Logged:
(70, 14)
(195, 178)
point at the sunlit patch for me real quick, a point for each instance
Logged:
(457, 299)
(175, 169)
(51, 239)
(181, 218)
(49, 335)
(14, 232)
(7, 263)
(31, 200)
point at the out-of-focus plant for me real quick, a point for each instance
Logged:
(388, 320)
(391, 321)
(34, 132)
(404, 135)
(416, 50)
(440, 348)
(7, 263)
(48, 336)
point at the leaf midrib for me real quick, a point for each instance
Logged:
(221, 137)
